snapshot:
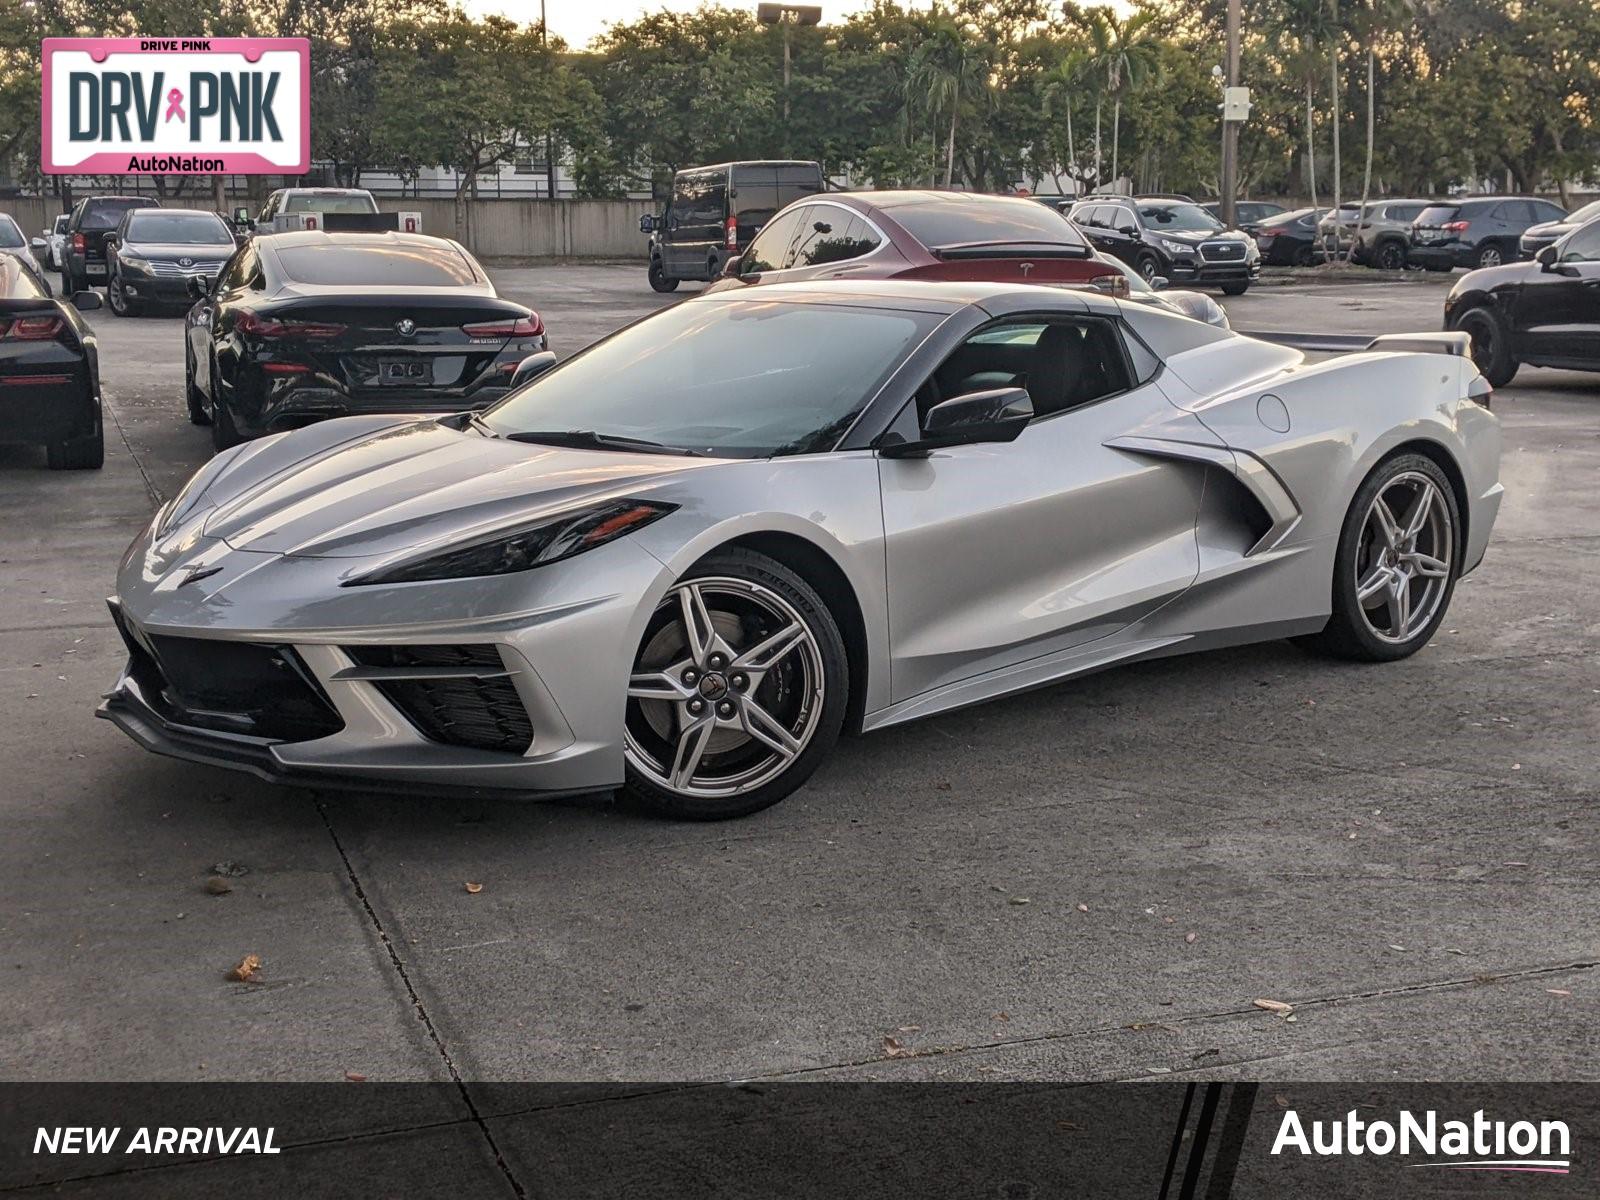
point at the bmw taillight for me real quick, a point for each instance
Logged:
(528, 326)
(733, 233)
(265, 327)
(32, 329)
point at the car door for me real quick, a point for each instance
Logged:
(1006, 554)
(201, 321)
(1121, 232)
(765, 258)
(1557, 313)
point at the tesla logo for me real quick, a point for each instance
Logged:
(196, 575)
(405, 326)
(186, 262)
(1025, 268)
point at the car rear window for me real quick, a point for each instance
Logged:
(1437, 214)
(960, 221)
(10, 236)
(382, 264)
(334, 203)
(104, 214)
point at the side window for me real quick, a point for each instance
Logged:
(238, 270)
(1404, 212)
(1063, 364)
(1121, 218)
(829, 234)
(771, 247)
(1583, 246)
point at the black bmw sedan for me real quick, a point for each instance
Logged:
(154, 252)
(49, 371)
(303, 326)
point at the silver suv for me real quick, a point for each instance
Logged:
(1380, 239)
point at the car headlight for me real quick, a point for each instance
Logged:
(134, 262)
(1172, 247)
(549, 540)
(1215, 315)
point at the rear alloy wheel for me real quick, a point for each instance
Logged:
(1148, 267)
(1304, 256)
(1490, 256)
(737, 692)
(1392, 256)
(1491, 345)
(1396, 565)
(658, 278)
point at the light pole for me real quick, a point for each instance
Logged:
(787, 15)
(1235, 107)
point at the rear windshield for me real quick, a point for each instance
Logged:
(1436, 214)
(407, 264)
(334, 203)
(104, 214)
(10, 236)
(956, 221)
(759, 192)
(179, 229)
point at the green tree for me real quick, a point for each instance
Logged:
(946, 71)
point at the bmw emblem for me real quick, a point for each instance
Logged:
(186, 262)
(405, 326)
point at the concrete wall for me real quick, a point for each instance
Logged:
(491, 228)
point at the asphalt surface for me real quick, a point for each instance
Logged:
(1095, 881)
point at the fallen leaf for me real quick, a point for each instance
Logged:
(474, 888)
(218, 886)
(230, 868)
(1068, 1126)
(1393, 946)
(354, 1077)
(1280, 1099)
(1190, 937)
(1019, 900)
(893, 1047)
(1275, 1006)
(245, 971)
(1083, 908)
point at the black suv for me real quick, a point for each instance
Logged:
(1480, 232)
(716, 212)
(93, 220)
(1174, 238)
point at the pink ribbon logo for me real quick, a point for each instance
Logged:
(175, 105)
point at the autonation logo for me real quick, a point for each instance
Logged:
(1480, 1144)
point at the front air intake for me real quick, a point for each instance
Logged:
(455, 695)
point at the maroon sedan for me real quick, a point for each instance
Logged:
(920, 235)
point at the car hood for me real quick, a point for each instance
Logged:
(372, 486)
(176, 250)
(1485, 278)
(1194, 238)
(1549, 229)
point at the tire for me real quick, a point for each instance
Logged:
(80, 454)
(118, 302)
(1490, 255)
(72, 283)
(1236, 289)
(658, 279)
(1427, 558)
(1491, 344)
(224, 433)
(1305, 256)
(1391, 256)
(192, 395)
(798, 702)
(1148, 266)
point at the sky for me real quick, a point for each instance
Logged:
(579, 20)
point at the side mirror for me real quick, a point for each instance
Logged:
(1129, 230)
(39, 244)
(198, 286)
(998, 415)
(647, 223)
(733, 268)
(1546, 257)
(532, 367)
(86, 301)
(1159, 282)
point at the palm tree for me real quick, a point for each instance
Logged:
(1380, 17)
(946, 70)
(1130, 55)
(1061, 86)
(1310, 25)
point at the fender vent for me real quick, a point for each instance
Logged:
(1237, 505)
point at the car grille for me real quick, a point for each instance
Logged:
(163, 269)
(1222, 251)
(478, 708)
(229, 687)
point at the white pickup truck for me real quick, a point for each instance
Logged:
(334, 209)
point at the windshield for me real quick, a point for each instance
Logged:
(179, 229)
(1587, 213)
(336, 203)
(10, 236)
(1187, 218)
(738, 379)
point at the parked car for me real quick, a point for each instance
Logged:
(49, 371)
(1545, 313)
(1483, 231)
(1290, 238)
(1380, 237)
(1247, 213)
(14, 242)
(715, 212)
(917, 235)
(55, 239)
(289, 209)
(1537, 237)
(302, 326)
(93, 220)
(1174, 238)
(684, 560)
(156, 251)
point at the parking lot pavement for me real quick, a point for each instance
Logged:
(1406, 853)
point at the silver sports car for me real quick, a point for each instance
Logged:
(684, 560)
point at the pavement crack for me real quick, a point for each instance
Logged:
(156, 497)
(416, 1000)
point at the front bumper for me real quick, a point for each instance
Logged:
(1199, 271)
(562, 636)
(161, 289)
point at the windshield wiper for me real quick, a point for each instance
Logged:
(588, 439)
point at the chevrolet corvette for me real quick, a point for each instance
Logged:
(686, 559)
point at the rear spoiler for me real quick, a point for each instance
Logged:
(1456, 343)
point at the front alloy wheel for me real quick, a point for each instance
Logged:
(737, 691)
